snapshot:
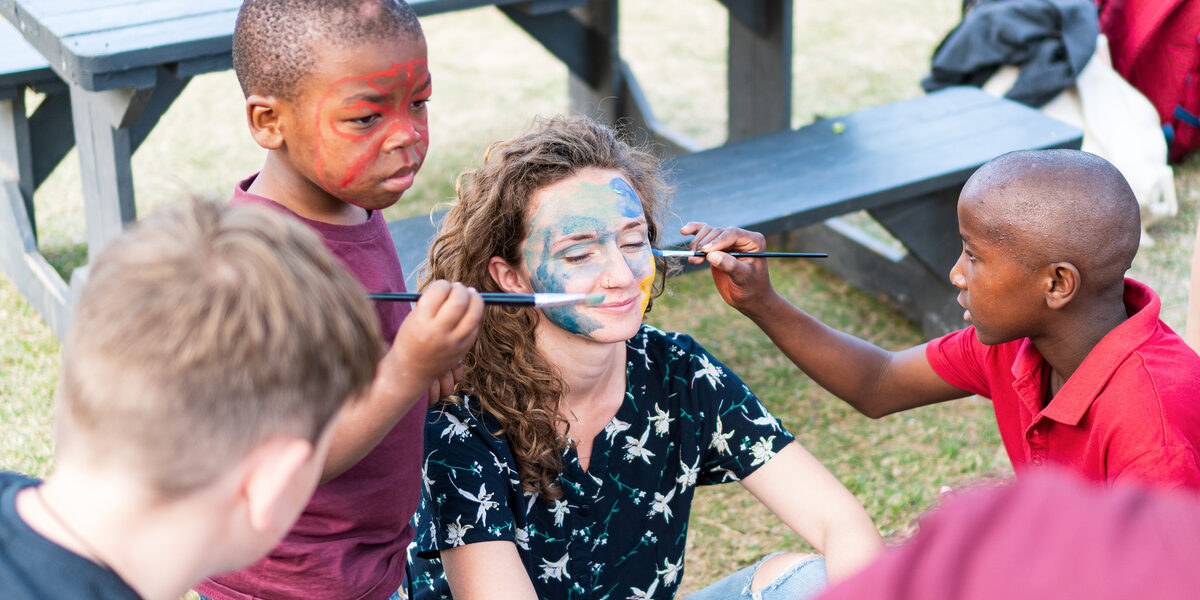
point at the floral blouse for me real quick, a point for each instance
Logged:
(619, 529)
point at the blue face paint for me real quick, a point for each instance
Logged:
(575, 236)
(631, 206)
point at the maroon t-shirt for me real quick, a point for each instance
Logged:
(350, 540)
(1052, 535)
(1130, 411)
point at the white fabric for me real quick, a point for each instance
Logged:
(1119, 124)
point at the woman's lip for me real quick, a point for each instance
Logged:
(617, 305)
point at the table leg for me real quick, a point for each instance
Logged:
(760, 67)
(20, 258)
(109, 126)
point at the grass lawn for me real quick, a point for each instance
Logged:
(490, 80)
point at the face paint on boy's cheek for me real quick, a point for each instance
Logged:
(546, 277)
(405, 77)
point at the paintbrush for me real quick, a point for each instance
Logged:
(539, 300)
(691, 253)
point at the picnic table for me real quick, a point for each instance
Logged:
(111, 68)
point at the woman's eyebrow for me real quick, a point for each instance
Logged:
(638, 222)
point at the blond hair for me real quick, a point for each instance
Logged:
(204, 331)
(515, 384)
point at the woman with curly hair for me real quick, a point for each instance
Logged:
(566, 464)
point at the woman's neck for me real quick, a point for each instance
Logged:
(593, 374)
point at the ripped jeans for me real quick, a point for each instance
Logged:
(804, 579)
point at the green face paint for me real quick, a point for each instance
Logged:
(589, 238)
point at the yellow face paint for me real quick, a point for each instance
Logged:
(646, 285)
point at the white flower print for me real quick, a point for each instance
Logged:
(614, 427)
(661, 504)
(522, 536)
(762, 450)
(560, 510)
(645, 356)
(646, 595)
(425, 473)
(637, 447)
(767, 420)
(554, 570)
(661, 420)
(456, 428)
(455, 532)
(720, 439)
(483, 498)
(670, 570)
(687, 478)
(709, 371)
(726, 474)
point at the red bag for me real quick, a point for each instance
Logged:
(1156, 46)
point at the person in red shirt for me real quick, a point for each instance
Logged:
(1080, 369)
(1130, 541)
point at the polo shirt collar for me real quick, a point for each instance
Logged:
(1086, 383)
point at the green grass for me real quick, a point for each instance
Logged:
(490, 80)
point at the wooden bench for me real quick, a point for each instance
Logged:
(904, 162)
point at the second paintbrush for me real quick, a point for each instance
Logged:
(539, 300)
(691, 253)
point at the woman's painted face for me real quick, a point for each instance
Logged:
(588, 235)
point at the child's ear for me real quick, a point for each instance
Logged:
(1062, 284)
(507, 277)
(263, 115)
(274, 479)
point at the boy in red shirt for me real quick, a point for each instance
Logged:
(336, 91)
(1079, 367)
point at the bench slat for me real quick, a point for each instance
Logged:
(888, 153)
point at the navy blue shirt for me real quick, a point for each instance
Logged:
(35, 568)
(620, 528)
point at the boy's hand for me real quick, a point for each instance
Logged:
(742, 283)
(444, 386)
(432, 340)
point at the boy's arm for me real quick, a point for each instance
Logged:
(487, 570)
(799, 490)
(430, 342)
(873, 380)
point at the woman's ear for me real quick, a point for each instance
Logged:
(263, 114)
(508, 278)
(1062, 284)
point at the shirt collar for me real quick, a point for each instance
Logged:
(1085, 384)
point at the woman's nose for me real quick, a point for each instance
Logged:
(617, 272)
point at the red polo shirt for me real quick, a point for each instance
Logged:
(1131, 410)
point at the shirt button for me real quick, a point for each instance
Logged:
(584, 511)
(1037, 461)
(585, 580)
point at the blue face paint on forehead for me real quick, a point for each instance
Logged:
(632, 205)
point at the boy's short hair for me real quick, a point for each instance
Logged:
(276, 42)
(1063, 205)
(205, 331)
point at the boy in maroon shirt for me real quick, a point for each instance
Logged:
(1079, 367)
(336, 91)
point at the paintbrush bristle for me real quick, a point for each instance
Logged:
(594, 300)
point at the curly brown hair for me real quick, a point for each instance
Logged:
(514, 383)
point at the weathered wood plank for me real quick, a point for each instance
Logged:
(759, 70)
